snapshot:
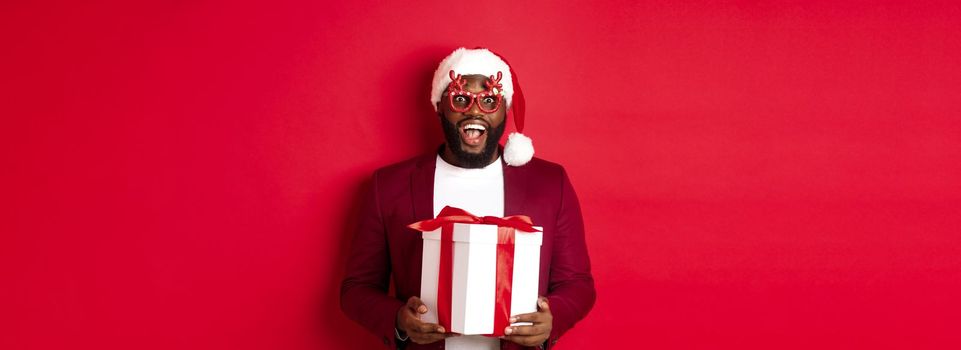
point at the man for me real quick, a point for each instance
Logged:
(472, 90)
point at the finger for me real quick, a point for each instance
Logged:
(542, 306)
(532, 317)
(430, 328)
(524, 330)
(416, 305)
(429, 337)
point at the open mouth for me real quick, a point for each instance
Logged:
(473, 133)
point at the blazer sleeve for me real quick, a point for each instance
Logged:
(364, 290)
(570, 291)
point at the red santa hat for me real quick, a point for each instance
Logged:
(519, 149)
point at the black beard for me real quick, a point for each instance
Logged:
(471, 160)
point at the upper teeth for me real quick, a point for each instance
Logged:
(474, 126)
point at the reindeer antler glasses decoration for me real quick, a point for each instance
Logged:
(488, 101)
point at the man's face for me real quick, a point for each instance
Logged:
(472, 136)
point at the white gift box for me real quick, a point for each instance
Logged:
(475, 274)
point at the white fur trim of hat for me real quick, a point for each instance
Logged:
(467, 62)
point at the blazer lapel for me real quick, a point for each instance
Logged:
(422, 188)
(515, 193)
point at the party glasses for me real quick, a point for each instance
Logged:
(488, 101)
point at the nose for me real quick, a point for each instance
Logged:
(474, 109)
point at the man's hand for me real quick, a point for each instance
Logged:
(535, 334)
(408, 321)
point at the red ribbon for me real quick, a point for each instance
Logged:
(506, 227)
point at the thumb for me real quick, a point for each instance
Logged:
(416, 305)
(542, 304)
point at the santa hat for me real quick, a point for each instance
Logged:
(519, 149)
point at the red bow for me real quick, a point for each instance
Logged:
(457, 215)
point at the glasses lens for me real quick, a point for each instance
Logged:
(489, 103)
(460, 103)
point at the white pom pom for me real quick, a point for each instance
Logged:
(519, 149)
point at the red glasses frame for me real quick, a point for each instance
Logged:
(493, 89)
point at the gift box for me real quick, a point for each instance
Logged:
(478, 271)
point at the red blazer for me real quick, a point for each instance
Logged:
(402, 193)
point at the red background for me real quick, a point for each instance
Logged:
(181, 175)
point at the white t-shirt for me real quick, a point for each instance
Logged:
(480, 192)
